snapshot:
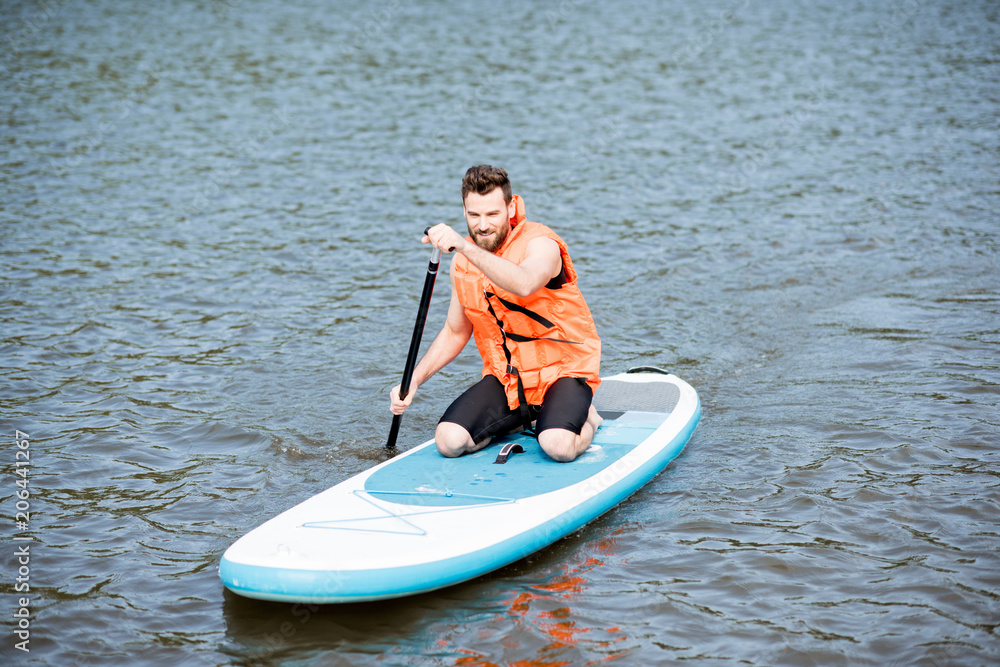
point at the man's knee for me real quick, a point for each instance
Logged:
(559, 444)
(452, 440)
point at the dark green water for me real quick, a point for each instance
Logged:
(209, 224)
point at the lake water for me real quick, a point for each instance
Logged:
(209, 222)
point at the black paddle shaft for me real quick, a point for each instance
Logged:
(418, 332)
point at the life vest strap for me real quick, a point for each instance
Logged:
(518, 308)
(518, 338)
(522, 399)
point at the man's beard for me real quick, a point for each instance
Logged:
(493, 243)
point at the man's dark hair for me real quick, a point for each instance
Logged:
(484, 179)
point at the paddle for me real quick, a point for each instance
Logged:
(418, 332)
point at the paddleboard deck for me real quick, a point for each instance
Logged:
(421, 521)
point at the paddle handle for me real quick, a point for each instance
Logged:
(418, 332)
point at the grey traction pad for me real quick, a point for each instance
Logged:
(619, 396)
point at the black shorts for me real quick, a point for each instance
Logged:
(482, 410)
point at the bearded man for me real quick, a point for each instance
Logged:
(514, 289)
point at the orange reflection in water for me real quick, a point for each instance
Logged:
(558, 623)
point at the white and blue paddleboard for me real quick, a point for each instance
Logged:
(420, 521)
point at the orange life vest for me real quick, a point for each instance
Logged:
(536, 339)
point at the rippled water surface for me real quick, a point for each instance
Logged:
(209, 224)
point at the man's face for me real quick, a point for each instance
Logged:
(488, 217)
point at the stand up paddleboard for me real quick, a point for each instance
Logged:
(421, 521)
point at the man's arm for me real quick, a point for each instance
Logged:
(447, 345)
(542, 261)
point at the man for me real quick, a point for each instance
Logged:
(514, 289)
